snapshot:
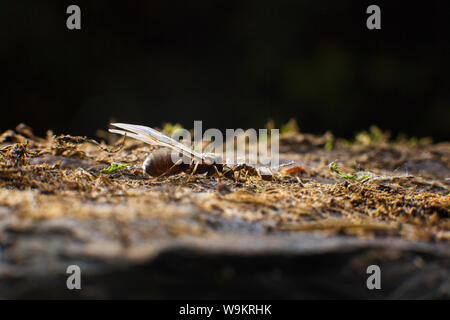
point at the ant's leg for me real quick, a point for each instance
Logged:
(234, 176)
(168, 171)
(193, 172)
(217, 174)
(230, 173)
(259, 174)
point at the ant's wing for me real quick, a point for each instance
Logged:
(147, 134)
(137, 137)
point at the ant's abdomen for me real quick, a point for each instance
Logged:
(159, 162)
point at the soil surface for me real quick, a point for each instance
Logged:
(307, 234)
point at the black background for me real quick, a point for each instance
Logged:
(233, 63)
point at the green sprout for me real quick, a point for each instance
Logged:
(290, 127)
(169, 128)
(374, 135)
(335, 168)
(347, 143)
(114, 167)
(328, 145)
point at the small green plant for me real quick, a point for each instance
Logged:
(412, 141)
(114, 167)
(329, 141)
(169, 128)
(374, 135)
(347, 143)
(290, 126)
(328, 145)
(335, 168)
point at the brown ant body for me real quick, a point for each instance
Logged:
(160, 162)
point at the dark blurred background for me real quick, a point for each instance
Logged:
(233, 63)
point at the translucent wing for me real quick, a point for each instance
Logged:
(151, 136)
(138, 137)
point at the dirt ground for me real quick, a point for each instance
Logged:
(309, 234)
